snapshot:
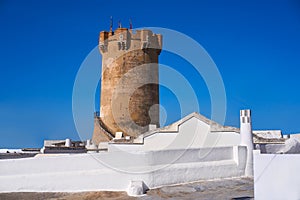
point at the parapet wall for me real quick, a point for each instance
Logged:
(114, 171)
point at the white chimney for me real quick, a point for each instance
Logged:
(247, 139)
(68, 142)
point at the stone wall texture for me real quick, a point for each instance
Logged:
(129, 83)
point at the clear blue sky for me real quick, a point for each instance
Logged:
(255, 44)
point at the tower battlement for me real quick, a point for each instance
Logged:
(124, 39)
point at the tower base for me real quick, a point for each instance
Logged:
(101, 132)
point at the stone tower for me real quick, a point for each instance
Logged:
(129, 83)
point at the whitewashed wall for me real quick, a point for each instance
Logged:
(114, 170)
(276, 176)
(193, 133)
(190, 153)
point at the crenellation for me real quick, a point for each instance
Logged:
(124, 39)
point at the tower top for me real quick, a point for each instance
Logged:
(126, 39)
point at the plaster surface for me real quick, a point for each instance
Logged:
(193, 132)
(114, 171)
(275, 176)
